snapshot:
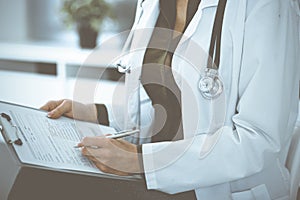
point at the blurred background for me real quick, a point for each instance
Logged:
(43, 20)
(43, 44)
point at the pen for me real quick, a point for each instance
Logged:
(122, 134)
(117, 135)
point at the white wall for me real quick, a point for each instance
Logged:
(43, 19)
(30, 20)
(13, 22)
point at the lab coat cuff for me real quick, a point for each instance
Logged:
(148, 164)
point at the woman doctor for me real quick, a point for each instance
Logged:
(227, 121)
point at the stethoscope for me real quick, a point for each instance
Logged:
(210, 85)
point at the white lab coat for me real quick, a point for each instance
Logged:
(243, 156)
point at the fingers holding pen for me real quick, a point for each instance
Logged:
(115, 156)
(93, 153)
(104, 168)
(100, 158)
(95, 149)
(94, 142)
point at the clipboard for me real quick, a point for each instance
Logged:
(25, 180)
(23, 136)
(10, 132)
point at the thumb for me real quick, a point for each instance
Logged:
(51, 105)
(60, 110)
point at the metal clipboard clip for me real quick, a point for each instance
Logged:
(5, 133)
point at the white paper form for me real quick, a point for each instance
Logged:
(50, 143)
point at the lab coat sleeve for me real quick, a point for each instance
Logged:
(115, 115)
(265, 112)
(116, 112)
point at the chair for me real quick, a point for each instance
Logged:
(293, 162)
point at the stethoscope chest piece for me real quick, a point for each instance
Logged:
(210, 85)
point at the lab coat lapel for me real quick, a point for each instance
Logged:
(237, 30)
(146, 24)
(191, 29)
(208, 3)
(150, 12)
(197, 17)
(142, 34)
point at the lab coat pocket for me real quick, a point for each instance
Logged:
(257, 193)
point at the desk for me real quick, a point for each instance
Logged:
(60, 56)
(35, 90)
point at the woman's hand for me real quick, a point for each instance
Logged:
(111, 155)
(72, 109)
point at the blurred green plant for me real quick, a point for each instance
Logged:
(91, 12)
